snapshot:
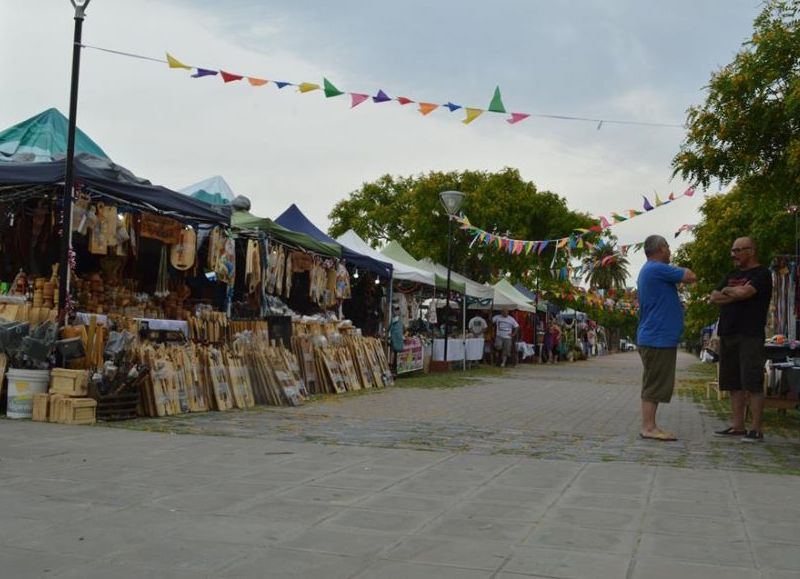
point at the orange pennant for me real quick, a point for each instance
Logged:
(427, 108)
(257, 81)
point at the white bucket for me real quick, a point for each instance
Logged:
(22, 385)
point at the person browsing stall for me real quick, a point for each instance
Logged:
(506, 327)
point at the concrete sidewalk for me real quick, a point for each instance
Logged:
(83, 502)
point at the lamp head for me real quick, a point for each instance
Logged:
(452, 201)
(80, 7)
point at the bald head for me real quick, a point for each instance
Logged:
(743, 253)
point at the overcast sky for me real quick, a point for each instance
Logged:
(643, 60)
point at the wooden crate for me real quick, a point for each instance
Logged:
(69, 382)
(41, 407)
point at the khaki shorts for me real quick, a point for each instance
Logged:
(741, 363)
(658, 377)
(503, 345)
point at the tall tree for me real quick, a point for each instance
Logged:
(748, 129)
(408, 210)
(605, 268)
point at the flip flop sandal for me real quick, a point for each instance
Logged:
(661, 436)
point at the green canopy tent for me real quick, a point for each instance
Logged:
(214, 190)
(397, 252)
(43, 138)
(244, 220)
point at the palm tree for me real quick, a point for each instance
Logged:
(605, 268)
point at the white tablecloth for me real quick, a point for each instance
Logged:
(456, 349)
(527, 350)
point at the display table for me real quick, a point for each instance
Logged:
(155, 325)
(458, 349)
(526, 350)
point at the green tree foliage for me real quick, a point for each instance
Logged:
(748, 130)
(605, 268)
(408, 210)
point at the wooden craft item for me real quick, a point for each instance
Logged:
(158, 227)
(182, 255)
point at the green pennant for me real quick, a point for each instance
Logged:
(330, 90)
(496, 106)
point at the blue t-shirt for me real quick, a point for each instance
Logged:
(660, 309)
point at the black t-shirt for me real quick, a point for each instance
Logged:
(746, 317)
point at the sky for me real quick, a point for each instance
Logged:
(641, 60)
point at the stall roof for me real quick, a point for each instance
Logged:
(472, 288)
(505, 287)
(246, 220)
(106, 178)
(43, 138)
(397, 252)
(400, 271)
(214, 190)
(541, 305)
(295, 220)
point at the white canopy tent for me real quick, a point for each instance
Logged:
(400, 270)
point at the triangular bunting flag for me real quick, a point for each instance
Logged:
(257, 81)
(604, 223)
(542, 246)
(381, 97)
(672, 196)
(647, 205)
(281, 83)
(307, 86)
(452, 106)
(517, 117)
(175, 63)
(619, 217)
(496, 106)
(201, 72)
(357, 98)
(404, 101)
(330, 90)
(472, 114)
(229, 77)
(427, 108)
(689, 192)
(659, 202)
(596, 229)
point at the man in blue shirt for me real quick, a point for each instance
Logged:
(660, 328)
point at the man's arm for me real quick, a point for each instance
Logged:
(728, 294)
(688, 276)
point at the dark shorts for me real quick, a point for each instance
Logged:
(741, 363)
(658, 377)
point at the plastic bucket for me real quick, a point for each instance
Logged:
(22, 385)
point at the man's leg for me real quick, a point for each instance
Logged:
(738, 404)
(649, 417)
(757, 408)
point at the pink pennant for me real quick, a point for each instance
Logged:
(689, 192)
(604, 222)
(517, 117)
(357, 98)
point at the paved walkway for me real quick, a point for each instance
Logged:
(92, 502)
(587, 411)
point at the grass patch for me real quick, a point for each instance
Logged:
(777, 423)
(451, 379)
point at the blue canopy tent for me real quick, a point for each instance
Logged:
(295, 220)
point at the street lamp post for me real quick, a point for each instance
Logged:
(69, 175)
(451, 200)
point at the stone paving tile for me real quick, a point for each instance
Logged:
(659, 568)
(584, 412)
(547, 562)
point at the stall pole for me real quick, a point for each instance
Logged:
(447, 293)
(464, 329)
(69, 176)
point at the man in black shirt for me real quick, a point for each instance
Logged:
(743, 298)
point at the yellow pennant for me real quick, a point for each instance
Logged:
(472, 114)
(175, 63)
(307, 87)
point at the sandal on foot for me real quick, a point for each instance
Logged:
(662, 436)
(730, 431)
